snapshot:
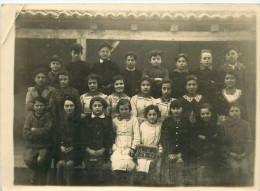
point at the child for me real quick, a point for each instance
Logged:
(37, 132)
(150, 132)
(98, 138)
(55, 65)
(164, 102)
(67, 138)
(127, 132)
(140, 101)
(175, 130)
(207, 76)
(232, 54)
(118, 93)
(156, 73)
(40, 89)
(93, 83)
(105, 68)
(131, 74)
(77, 68)
(238, 143)
(179, 75)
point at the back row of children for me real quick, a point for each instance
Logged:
(110, 124)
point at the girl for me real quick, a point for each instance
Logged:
(150, 132)
(66, 140)
(126, 128)
(140, 101)
(118, 89)
(93, 85)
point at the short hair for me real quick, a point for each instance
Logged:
(155, 53)
(191, 77)
(72, 99)
(152, 107)
(205, 51)
(235, 105)
(105, 44)
(99, 99)
(233, 73)
(131, 53)
(231, 47)
(144, 79)
(93, 77)
(40, 70)
(185, 56)
(175, 103)
(77, 48)
(123, 102)
(39, 99)
(115, 78)
(166, 82)
(64, 72)
(205, 106)
(55, 57)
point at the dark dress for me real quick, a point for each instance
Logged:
(131, 81)
(179, 79)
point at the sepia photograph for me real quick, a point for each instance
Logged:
(143, 95)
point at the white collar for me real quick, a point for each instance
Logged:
(101, 60)
(101, 116)
(189, 99)
(131, 70)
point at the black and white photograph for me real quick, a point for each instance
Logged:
(142, 95)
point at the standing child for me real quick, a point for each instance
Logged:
(179, 75)
(118, 87)
(98, 138)
(40, 89)
(131, 75)
(53, 75)
(127, 132)
(140, 101)
(156, 73)
(37, 132)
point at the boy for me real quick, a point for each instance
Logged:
(156, 73)
(40, 89)
(232, 54)
(37, 132)
(55, 65)
(98, 137)
(77, 68)
(105, 68)
(131, 75)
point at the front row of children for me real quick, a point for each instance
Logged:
(188, 152)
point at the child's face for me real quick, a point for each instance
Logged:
(234, 112)
(145, 87)
(166, 90)
(119, 86)
(152, 116)
(130, 62)
(124, 110)
(230, 80)
(38, 107)
(97, 108)
(64, 81)
(232, 56)
(181, 64)
(76, 56)
(206, 59)
(104, 53)
(40, 79)
(55, 66)
(92, 85)
(69, 107)
(176, 111)
(205, 114)
(156, 60)
(191, 86)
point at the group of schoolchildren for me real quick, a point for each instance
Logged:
(96, 116)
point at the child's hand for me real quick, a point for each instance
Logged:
(83, 115)
(179, 160)
(202, 137)
(69, 149)
(179, 155)
(158, 79)
(90, 151)
(33, 129)
(63, 149)
(131, 152)
(99, 152)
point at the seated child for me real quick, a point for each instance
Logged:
(164, 102)
(179, 75)
(77, 68)
(93, 83)
(37, 132)
(67, 142)
(127, 133)
(105, 68)
(40, 89)
(131, 75)
(156, 73)
(140, 101)
(55, 65)
(118, 87)
(98, 138)
(150, 133)
(238, 143)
